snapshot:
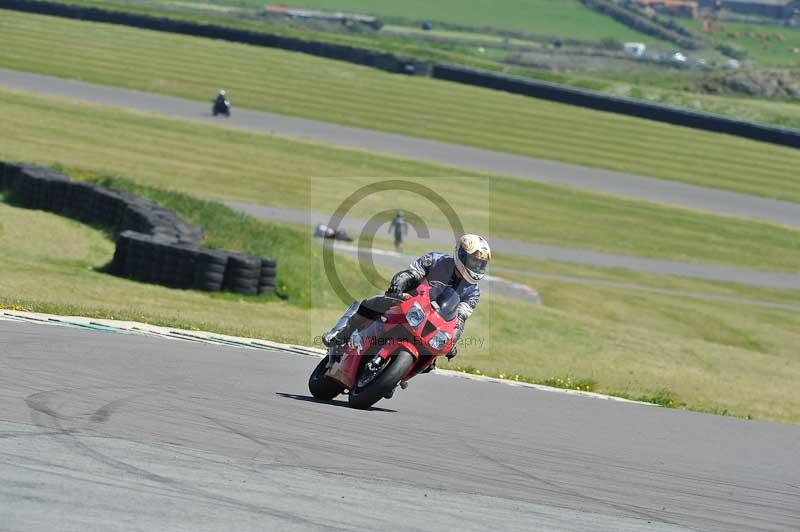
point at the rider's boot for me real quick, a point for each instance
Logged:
(331, 337)
(336, 339)
(342, 338)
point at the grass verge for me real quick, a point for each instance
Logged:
(295, 84)
(662, 397)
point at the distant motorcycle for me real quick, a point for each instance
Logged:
(221, 107)
(323, 231)
(404, 342)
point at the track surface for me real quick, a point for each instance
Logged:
(619, 184)
(104, 432)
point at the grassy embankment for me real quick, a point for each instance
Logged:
(548, 17)
(682, 88)
(769, 45)
(52, 264)
(296, 84)
(539, 18)
(710, 356)
(230, 164)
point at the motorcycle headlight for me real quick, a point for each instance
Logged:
(415, 315)
(439, 341)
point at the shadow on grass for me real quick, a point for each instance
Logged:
(309, 399)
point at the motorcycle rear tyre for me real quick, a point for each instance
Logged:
(322, 387)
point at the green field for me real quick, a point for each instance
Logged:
(209, 161)
(707, 356)
(301, 85)
(548, 17)
(769, 45)
(686, 92)
(681, 88)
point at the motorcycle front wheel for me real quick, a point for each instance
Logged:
(372, 385)
(321, 386)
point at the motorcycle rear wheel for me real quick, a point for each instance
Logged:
(321, 386)
(383, 383)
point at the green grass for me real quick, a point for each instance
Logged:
(566, 18)
(214, 162)
(761, 42)
(296, 84)
(299, 281)
(249, 18)
(663, 397)
(52, 264)
(539, 273)
(668, 86)
(686, 92)
(707, 356)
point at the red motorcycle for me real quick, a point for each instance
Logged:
(406, 340)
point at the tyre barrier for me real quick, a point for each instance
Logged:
(153, 245)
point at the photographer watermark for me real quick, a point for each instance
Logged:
(362, 215)
(367, 235)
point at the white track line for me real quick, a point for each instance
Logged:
(183, 335)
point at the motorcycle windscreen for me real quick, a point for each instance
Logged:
(448, 302)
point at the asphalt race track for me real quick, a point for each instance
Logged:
(593, 179)
(102, 431)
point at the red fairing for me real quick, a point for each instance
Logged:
(392, 333)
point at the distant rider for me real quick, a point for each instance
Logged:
(221, 101)
(400, 227)
(463, 271)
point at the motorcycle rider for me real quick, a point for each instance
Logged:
(221, 102)
(462, 272)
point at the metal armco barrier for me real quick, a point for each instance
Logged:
(153, 244)
(613, 104)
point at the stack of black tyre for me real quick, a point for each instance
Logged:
(153, 244)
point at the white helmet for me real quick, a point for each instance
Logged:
(471, 256)
(222, 92)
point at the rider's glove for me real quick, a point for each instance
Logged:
(453, 352)
(459, 330)
(394, 290)
(399, 284)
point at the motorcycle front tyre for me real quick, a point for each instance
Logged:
(384, 383)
